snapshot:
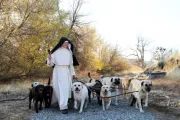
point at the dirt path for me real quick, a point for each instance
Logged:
(159, 106)
(18, 110)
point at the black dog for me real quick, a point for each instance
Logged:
(47, 93)
(36, 93)
(97, 89)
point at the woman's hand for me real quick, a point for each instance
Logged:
(49, 56)
(74, 77)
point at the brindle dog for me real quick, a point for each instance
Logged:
(48, 90)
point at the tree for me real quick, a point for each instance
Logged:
(75, 18)
(28, 29)
(160, 53)
(139, 51)
(111, 59)
(85, 47)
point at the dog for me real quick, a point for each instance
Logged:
(36, 94)
(114, 83)
(142, 89)
(125, 85)
(106, 80)
(105, 92)
(47, 93)
(89, 85)
(95, 87)
(80, 93)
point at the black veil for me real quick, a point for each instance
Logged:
(61, 41)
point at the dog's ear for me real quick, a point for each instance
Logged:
(89, 74)
(90, 80)
(31, 85)
(81, 85)
(142, 83)
(102, 76)
(111, 79)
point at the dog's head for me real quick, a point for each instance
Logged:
(105, 89)
(39, 89)
(146, 85)
(34, 84)
(77, 86)
(115, 81)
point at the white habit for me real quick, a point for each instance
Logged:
(62, 76)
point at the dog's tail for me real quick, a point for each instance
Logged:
(89, 74)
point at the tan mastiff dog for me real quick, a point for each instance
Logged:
(143, 87)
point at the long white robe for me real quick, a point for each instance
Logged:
(62, 76)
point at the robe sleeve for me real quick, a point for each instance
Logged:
(72, 68)
(50, 62)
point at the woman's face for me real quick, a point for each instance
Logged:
(65, 45)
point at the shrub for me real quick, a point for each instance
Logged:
(161, 64)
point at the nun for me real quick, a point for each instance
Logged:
(63, 61)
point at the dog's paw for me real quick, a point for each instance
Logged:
(85, 106)
(75, 107)
(141, 111)
(145, 105)
(116, 103)
(107, 107)
(80, 111)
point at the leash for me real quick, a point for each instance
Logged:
(119, 94)
(113, 95)
(49, 80)
(76, 80)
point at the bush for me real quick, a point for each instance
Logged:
(161, 64)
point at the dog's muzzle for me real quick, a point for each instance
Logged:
(77, 89)
(148, 89)
(105, 92)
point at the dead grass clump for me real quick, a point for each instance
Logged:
(18, 87)
(165, 82)
(83, 75)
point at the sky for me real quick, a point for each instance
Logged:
(122, 21)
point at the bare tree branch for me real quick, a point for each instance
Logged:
(140, 50)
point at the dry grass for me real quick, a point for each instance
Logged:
(167, 85)
(18, 87)
(165, 82)
(22, 87)
(135, 69)
(84, 75)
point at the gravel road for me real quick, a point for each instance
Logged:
(94, 112)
